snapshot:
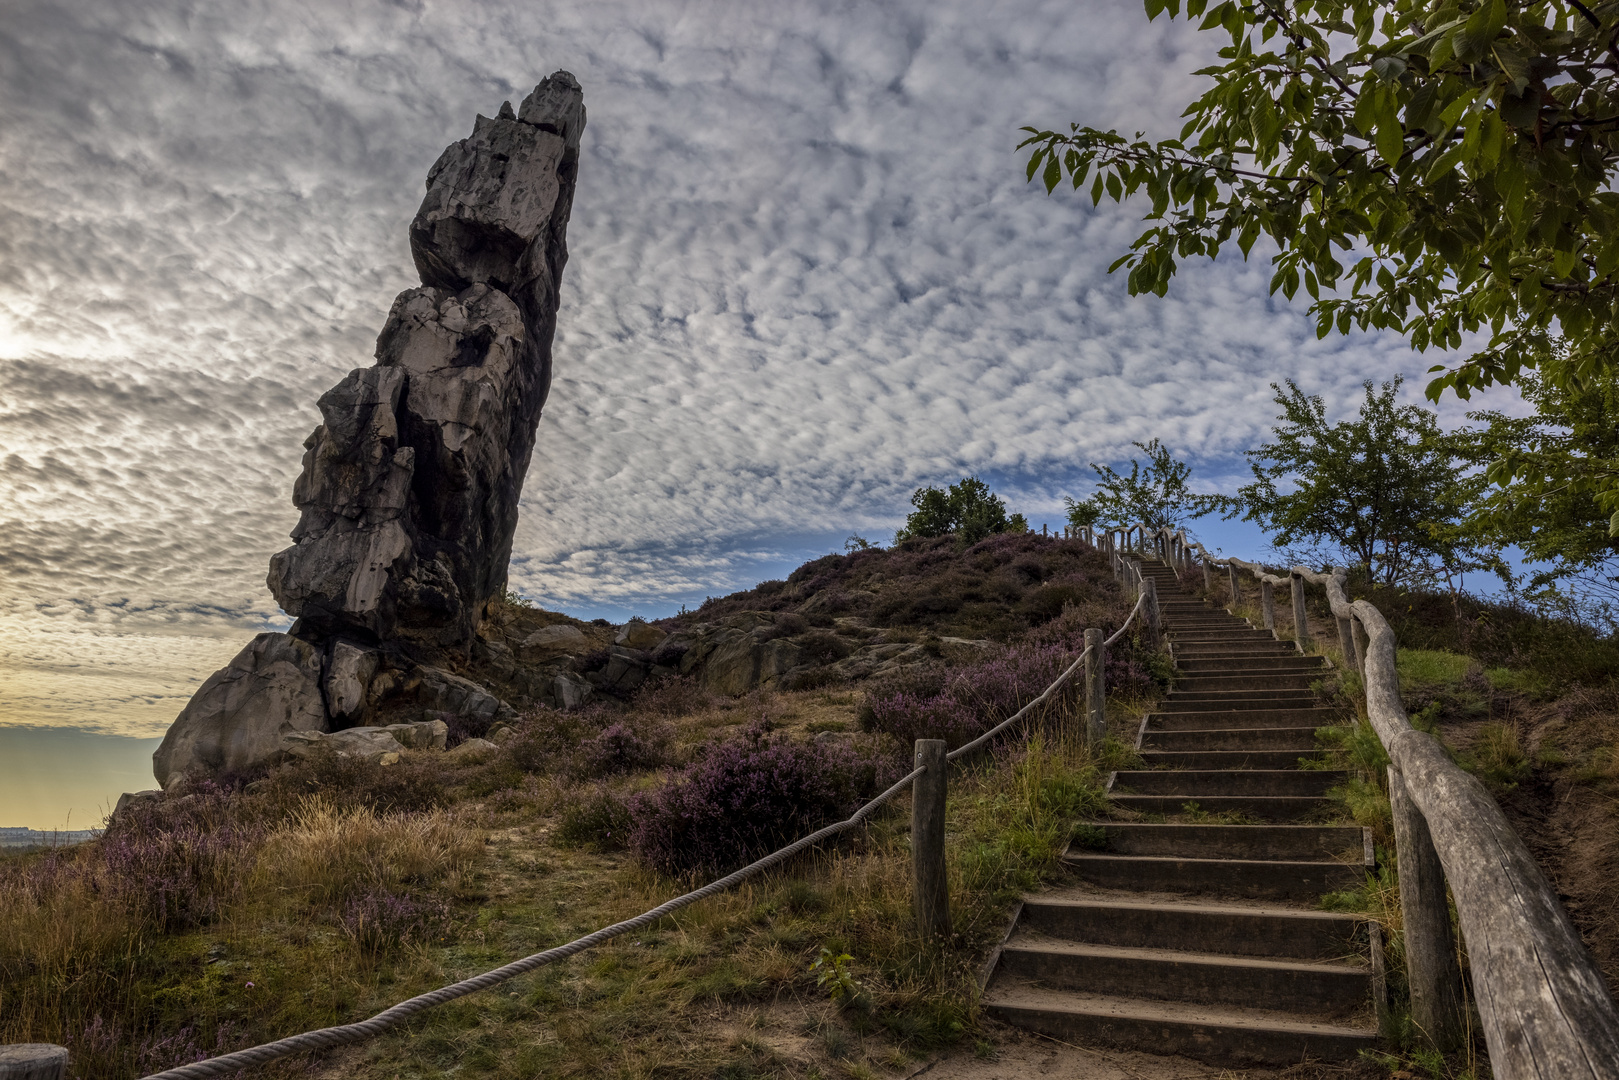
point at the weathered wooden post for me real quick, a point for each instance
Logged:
(1346, 642)
(1236, 591)
(1361, 642)
(1430, 946)
(33, 1061)
(927, 840)
(1208, 578)
(1095, 688)
(1267, 603)
(1301, 623)
(1150, 587)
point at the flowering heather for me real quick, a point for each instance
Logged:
(621, 748)
(378, 919)
(746, 798)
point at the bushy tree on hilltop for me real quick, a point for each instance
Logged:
(1158, 496)
(1462, 152)
(968, 509)
(1382, 491)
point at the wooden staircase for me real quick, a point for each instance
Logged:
(1197, 937)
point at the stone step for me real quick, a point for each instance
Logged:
(1192, 665)
(1189, 784)
(1257, 807)
(1247, 680)
(1221, 760)
(1271, 843)
(1228, 719)
(1262, 879)
(1292, 740)
(1219, 1036)
(1334, 990)
(1278, 932)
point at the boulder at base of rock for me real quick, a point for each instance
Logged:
(571, 692)
(366, 744)
(235, 722)
(136, 798)
(744, 663)
(348, 677)
(639, 634)
(559, 640)
(462, 697)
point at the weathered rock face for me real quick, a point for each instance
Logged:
(410, 484)
(237, 719)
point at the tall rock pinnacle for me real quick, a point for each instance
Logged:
(410, 485)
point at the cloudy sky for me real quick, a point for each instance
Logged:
(806, 277)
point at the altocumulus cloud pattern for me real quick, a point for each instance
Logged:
(806, 277)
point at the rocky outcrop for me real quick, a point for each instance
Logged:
(409, 490)
(410, 485)
(237, 719)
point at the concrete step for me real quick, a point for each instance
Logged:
(1229, 719)
(1289, 740)
(1192, 665)
(1273, 843)
(1220, 1036)
(1263, 879)
(1190, 784)
(1246, 680)
(1220, 760)
(1335, 990)
(1286, 933)
(1256, 807)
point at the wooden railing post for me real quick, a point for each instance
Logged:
(928, 793)
(33, 1061)
(1231, 576)
(1267, 604)
(1346, 642)
(1430, 946)
(1150, 587)
(1208, 579)
(1301, 623)
(1095, 688)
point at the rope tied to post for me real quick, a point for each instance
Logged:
(344, 1034)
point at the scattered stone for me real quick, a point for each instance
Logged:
(502, 735)
(133, 798)
(475, 750)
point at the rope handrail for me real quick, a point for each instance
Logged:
(1544, 1003)
(343, 1034)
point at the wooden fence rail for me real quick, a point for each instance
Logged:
(1545, 1008)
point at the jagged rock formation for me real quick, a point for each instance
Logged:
(410, 485)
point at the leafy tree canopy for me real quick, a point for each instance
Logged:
(1544, 507)
(1459, 155)
(1382, 490)
(968, 509)
(1157, 496)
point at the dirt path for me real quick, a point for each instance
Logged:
(1018, 1055)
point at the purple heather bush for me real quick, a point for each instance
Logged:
(378, 919)
(624, 746)
(745, 798)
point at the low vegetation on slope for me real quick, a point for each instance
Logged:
(330, 887)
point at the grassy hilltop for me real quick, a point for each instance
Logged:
(330, 888)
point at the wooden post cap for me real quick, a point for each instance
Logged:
(33, 1061)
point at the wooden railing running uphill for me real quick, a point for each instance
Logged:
(1542, 1000)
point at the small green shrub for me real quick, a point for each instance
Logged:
(1432, 666)
(601, 821)
(1498, 758)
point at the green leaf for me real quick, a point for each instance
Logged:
(1053, 173)
(1482, 28)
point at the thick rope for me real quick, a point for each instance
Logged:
(398, 1014)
